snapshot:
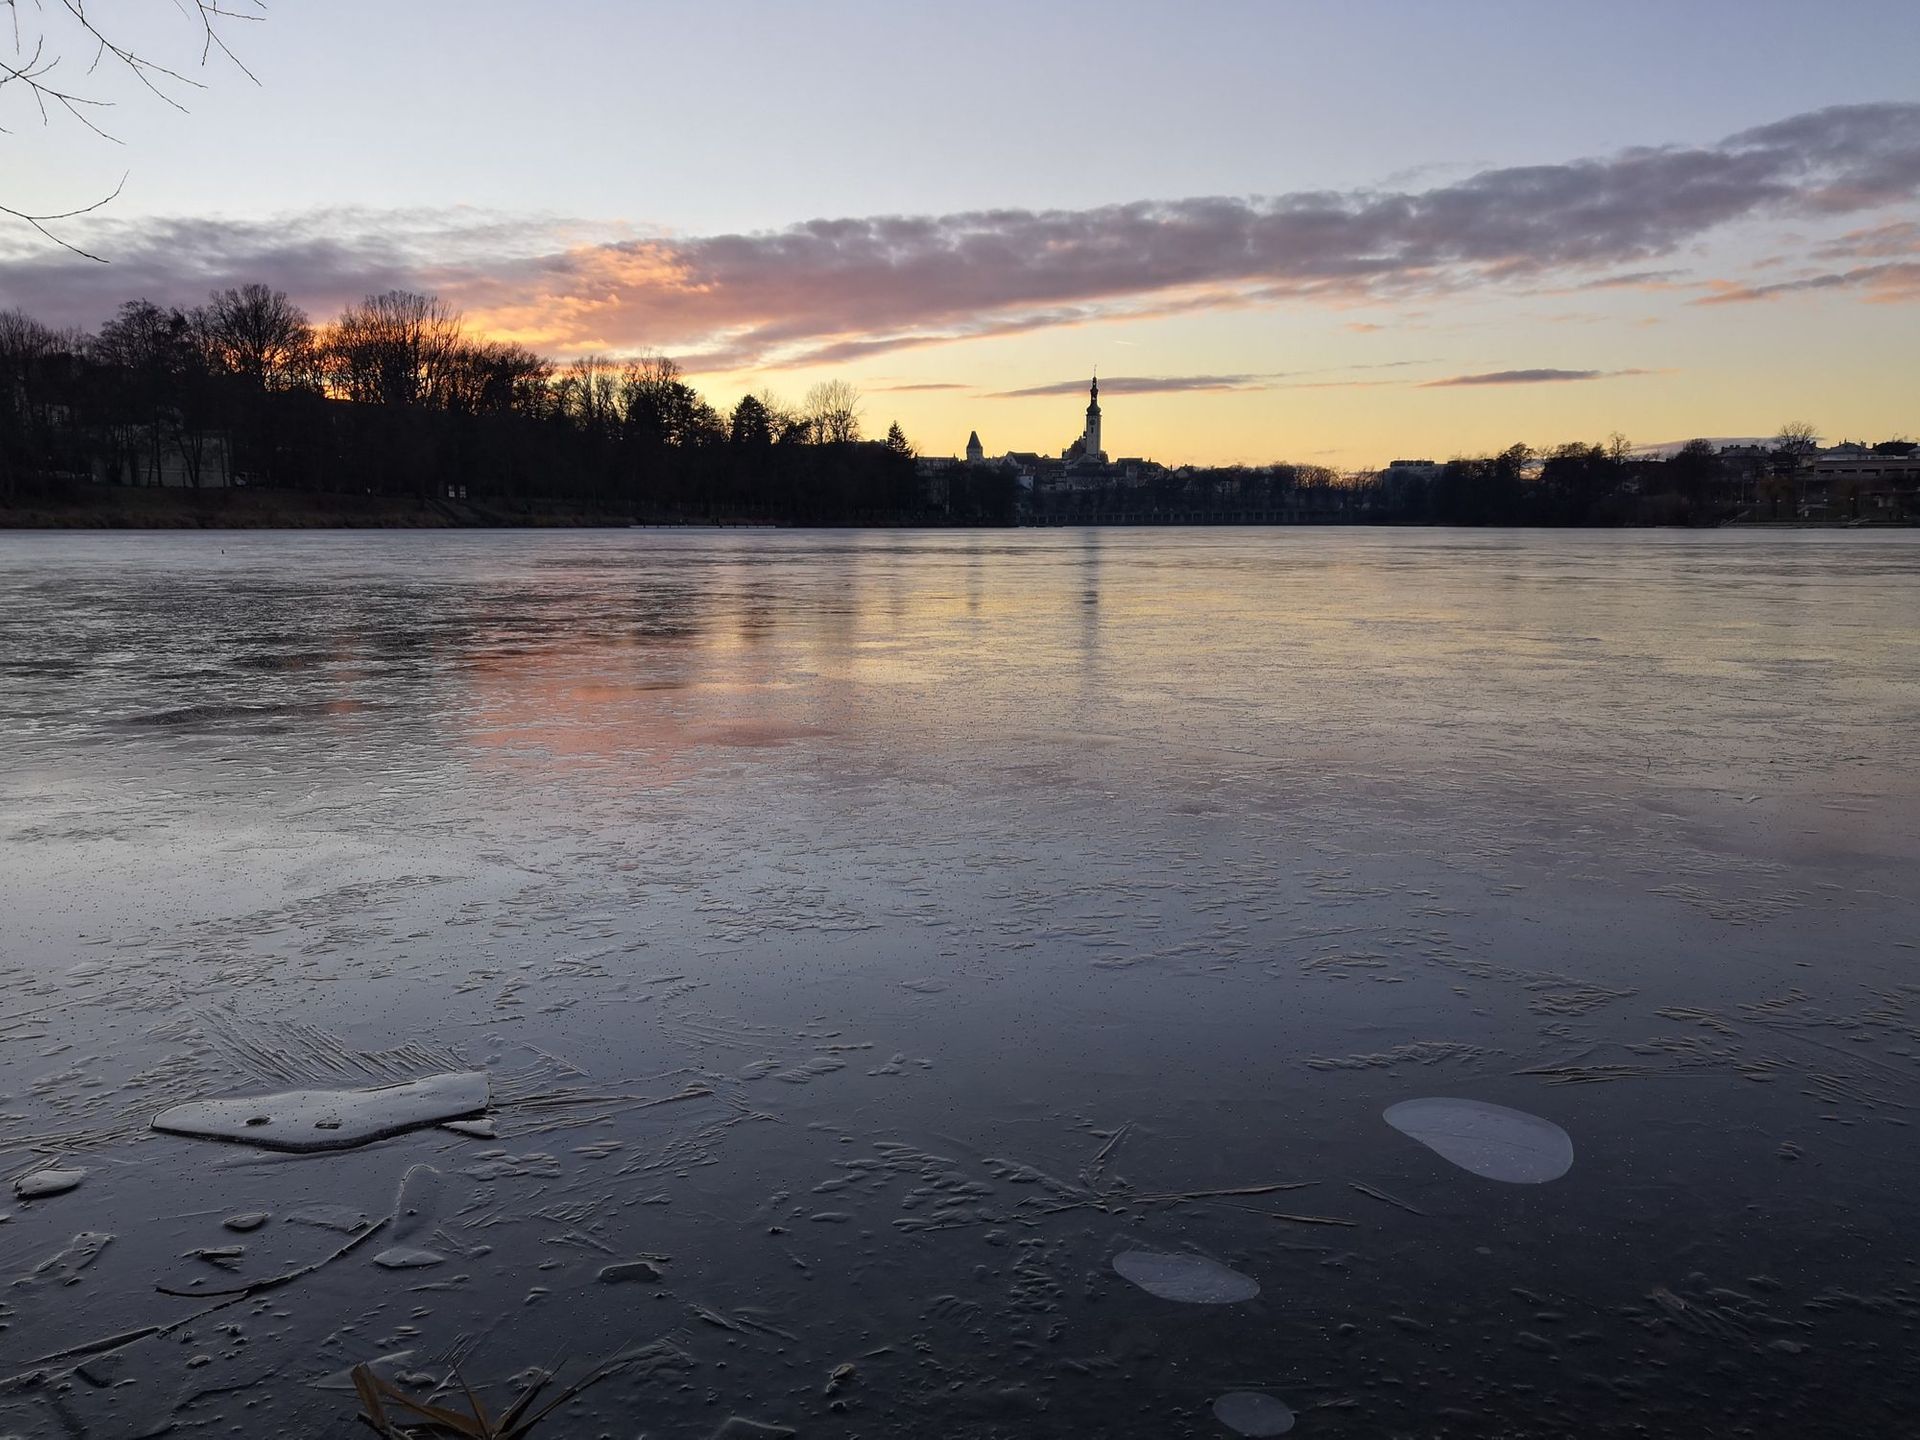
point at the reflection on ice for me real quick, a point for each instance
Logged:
(1490, 1141)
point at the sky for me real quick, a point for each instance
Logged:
(1334, 233)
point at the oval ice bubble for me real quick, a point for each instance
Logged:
(1248, 1412)
(1189, 1279)
(1487, 1140)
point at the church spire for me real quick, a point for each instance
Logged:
(1090, 440)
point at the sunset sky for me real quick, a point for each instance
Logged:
(1327, 232)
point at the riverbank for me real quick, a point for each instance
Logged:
(110, 507)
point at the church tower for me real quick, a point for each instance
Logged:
(975, 454)
(1090, 442)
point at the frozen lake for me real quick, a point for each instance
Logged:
(869, 939)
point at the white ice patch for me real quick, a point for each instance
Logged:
(1248, 1412)
(329, 1119)
(1490, 1141)
(54, 1181)
(1189, 1279)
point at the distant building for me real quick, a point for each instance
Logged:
(1413, 470)
(1851, 482)
(1082, 466)
(1086, 450)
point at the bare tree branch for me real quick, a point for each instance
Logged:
(49, 34)
(40, 222)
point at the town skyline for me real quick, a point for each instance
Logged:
(1443, 270)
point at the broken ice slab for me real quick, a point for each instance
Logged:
(641, 1270)
(1189, 1279)
(305, 1120)
(1487, 1140)
(55, 1180)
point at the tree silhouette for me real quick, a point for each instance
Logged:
(1797, 437)
(833, 409)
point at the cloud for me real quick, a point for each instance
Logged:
(842, 290)
(1143, 385)
(1895, 283)
(1879, 242)
(920, 385)
(1528, 377)
(1650, 280)
(1340, 385)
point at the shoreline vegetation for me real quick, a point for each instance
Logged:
(242, 413)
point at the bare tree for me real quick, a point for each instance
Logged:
(158, 359)
(57, 57)
(588, 392)
(662, 409)
(395, 349)
(833, 407)
(28, 350)
(495, 377)
(260, 335)
(785, 424)
(1797, 437)
(24, 342)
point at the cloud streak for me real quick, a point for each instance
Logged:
(1143, 385)
(1528, 377)
(842, 290)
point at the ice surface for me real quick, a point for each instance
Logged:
(343, 1218)
(55, 1180)
(64, 1267)
(1488, 1140)
(1230, 837)
(1248, 1412)
(1190, 1279)
(304, 1120)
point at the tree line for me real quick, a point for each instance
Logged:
(398, 397)
(1573, 484)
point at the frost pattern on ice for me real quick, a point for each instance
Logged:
(305, 1120)
(1487, 1140)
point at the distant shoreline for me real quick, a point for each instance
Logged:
(108, 507)
(154, 508)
